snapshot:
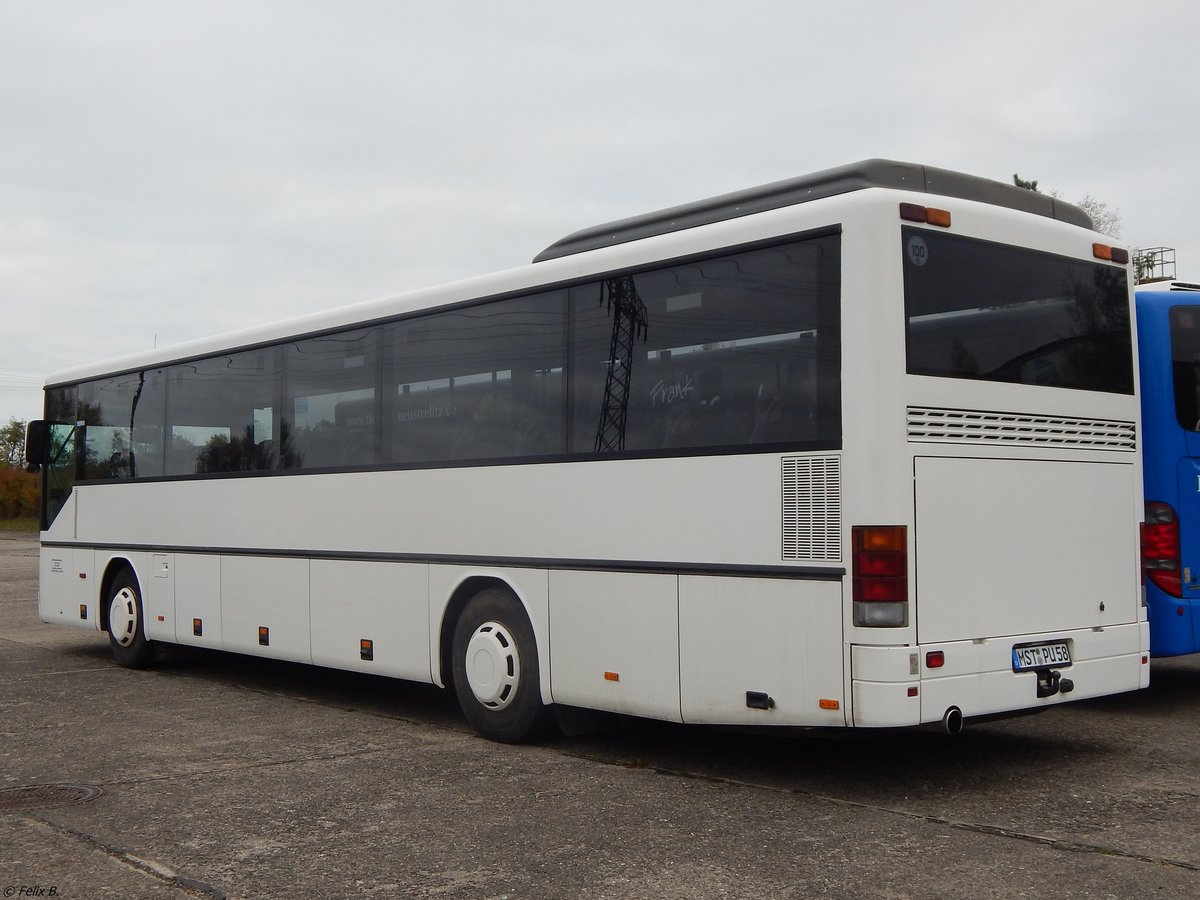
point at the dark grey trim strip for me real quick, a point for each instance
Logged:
(885, 173)
(811, 573)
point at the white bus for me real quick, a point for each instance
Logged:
(854, 449)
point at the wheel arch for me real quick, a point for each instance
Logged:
(112, 568)
(466, 588)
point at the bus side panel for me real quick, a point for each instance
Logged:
(1173, 619)
(384, 603)
(156, 575)
(260, 592)
(742, 640)
(615, 642)
(198, 600)
(68, 582)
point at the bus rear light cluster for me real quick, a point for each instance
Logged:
(929, 215)
(1110, 254)
(1160, 548)
(880, 575)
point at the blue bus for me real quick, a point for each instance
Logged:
(1168, 325)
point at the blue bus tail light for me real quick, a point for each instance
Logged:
(1160, 548)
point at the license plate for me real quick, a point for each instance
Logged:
(1041, 656)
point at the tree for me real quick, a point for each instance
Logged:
(18, 488)
(12, 443)
(1105, 219)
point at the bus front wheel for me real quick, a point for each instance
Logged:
(495, 668)
(126, 632)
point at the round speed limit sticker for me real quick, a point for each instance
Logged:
(918, 252)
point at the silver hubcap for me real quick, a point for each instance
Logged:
(493, 666)
(123, 617)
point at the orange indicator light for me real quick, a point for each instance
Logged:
(938, 217)
(612, 676)
(829, 704)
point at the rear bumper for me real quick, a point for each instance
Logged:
(894, 687)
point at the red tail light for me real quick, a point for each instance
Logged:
(1160, 548)
(880, 575)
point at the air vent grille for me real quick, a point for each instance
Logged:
(964, 426)
(812, 508)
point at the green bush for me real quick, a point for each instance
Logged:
(18, 493)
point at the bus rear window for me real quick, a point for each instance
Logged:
(995, 312)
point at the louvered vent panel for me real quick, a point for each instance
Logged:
(812, 508)
(965, 426)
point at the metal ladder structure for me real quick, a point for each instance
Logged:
(629, 323)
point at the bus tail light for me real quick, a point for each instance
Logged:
(880, 575)
(1160, 548)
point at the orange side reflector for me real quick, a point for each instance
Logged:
(612, 676)
(830, 704)
(162, 618)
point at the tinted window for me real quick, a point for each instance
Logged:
(123, 434)
(222, 414)
(994, 312)
(1185, 364)
(330, 400)
(62, 408)
(740, 350)
(735, 352)
(483, 382)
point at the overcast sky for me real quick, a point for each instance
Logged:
(170, 170)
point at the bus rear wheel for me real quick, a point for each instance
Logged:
(126, 632)
(495, 668)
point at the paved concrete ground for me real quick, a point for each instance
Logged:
(229, 777)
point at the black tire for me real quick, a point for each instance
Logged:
(126, 628)
(495, 667)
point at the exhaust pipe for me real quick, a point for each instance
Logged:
(952, 721)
